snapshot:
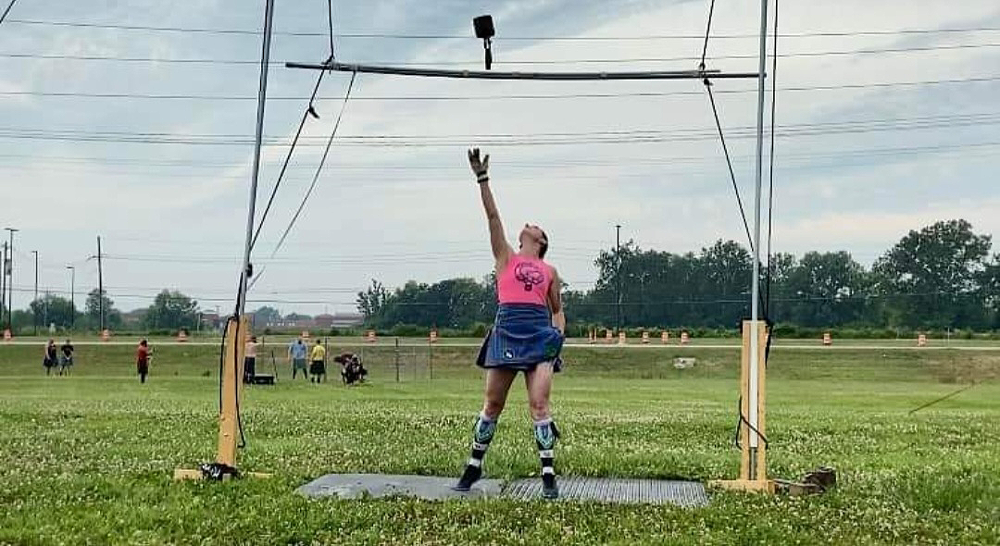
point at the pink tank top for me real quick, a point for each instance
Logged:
(525, 280)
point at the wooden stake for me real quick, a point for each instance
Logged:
(757, 482)
(232, 387)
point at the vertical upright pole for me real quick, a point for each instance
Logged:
(10, 278)
(3, 285)
(34, 314)
(100, 282)
(246, 273)
(754, 383)
(618, 275)
(397, 360)
(72, 296)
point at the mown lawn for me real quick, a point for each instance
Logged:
(89, 458)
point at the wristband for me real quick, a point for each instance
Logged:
(482, 177)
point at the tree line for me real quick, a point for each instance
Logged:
(941, 276)
(170, 311)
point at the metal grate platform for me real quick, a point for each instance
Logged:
(610, 490)
(613, 490)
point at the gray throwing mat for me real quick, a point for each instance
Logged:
(610, 490)
(352, 486)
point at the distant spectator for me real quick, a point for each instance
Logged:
(318, 367)
(297, 352)
(66, 360)
(250, 360)
(351, 369)
(142, 357)
(50, 360)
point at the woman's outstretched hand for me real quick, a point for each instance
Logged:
(479, 166)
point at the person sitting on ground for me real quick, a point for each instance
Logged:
(297, 356)
(49, 359)
(351, 369)
(66, 361)
(318, 367)
(142, 357)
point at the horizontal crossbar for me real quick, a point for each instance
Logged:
(550, 76)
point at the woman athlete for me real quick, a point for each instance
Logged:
(526, 337)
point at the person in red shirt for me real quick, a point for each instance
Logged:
(142, 360)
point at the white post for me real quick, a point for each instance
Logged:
(755, 348)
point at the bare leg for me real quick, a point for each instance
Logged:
(539, 383)
(498, 384)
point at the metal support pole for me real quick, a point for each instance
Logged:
(34, 314)
(618, 276)
(245, 272)
(10, 277)
(755, 348)
(547, 76)
(100, 283)
(72, 297)
(3, 284)
(397, 360)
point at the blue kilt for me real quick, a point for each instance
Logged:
(522, 337)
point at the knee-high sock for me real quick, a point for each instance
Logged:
(482, 435)
(545, 438)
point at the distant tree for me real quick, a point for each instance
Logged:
(53, 310)
(989, 287)
(930, 278)
(825, 289)
(171, 310)
(372, 301)
(92, 311)
(266, 315)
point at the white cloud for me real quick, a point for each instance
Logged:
(422, 201)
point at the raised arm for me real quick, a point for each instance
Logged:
(555, 303)
(498, 239)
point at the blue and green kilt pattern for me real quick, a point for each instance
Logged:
(522, 337)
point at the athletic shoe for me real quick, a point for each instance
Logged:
(549, 488)
(471, 475)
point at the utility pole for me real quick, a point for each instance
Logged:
(34, 314)
(10, 276)
(3, 284)
(618, 273)
(100, 282)
(72, 296)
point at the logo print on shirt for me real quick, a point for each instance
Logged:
(529, 274)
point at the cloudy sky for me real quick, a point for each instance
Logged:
(141, 135)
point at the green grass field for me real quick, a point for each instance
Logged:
(88, 458)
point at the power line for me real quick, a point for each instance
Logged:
(534, 139)
(10, 6)
(411, 36)
(248, 62)
(841, 156)
(202, 97)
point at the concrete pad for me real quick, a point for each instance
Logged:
(353, 486)
(613, 490)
